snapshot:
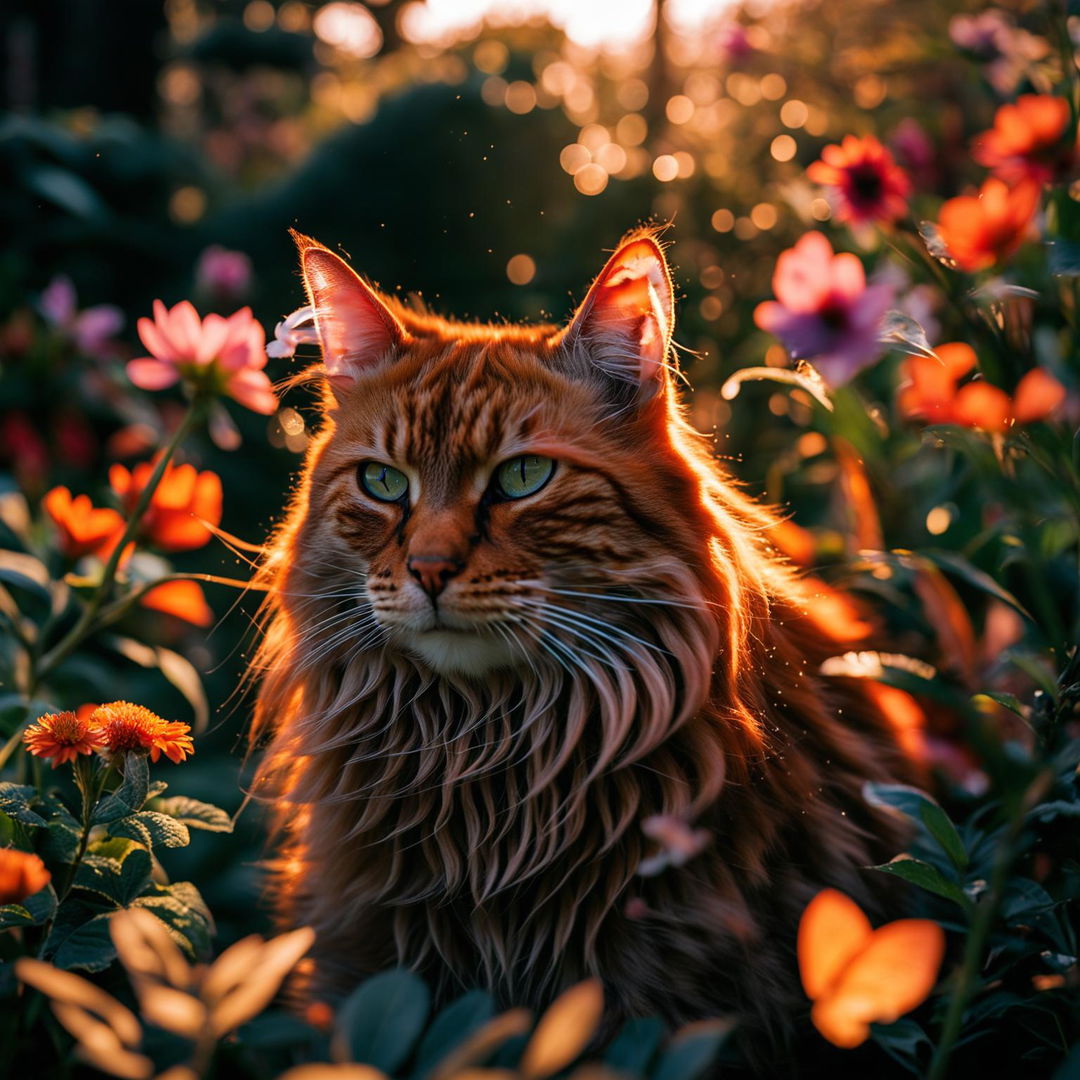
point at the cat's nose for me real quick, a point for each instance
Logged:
(433, 571)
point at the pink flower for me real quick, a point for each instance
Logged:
(91, 330)
(223, 276)
(824, 310)
(216, 354)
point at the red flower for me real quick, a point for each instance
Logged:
(62, 737)
(183, 599)
(130, 728)
(21, 875)
(184, 496)
(1027, 140)
(864, 178)
(933, 393)
(980, 230)
(223, 355)
(84, 528)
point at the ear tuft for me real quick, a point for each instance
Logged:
(356, 329)
(626, 321)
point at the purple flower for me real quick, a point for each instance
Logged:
(91, 330)
(223, 276)
(824, 311)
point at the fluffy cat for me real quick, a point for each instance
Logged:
(516, 610)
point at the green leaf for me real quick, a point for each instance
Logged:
(14, 915)
(194, 814)
(185, 915)
(692, 1050)
(30, 578)
(88, 946)
(116, 869)
(61, 842)
(15, 800)
(1057, 808)
(150, 828)
(899, 328)
(129, 797)
(926, 877)
(634, 1047)
(42, 905)
(949, 560)
(451, 1028)
(920, 808)
(905, 1042)
(1007, 701)
(382, 1019)
(67, 190)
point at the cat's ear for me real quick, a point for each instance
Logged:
(356, 329)
(624, 324)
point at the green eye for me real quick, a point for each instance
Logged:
(521, 476)
(383, 482)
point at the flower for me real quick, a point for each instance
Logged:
(864, 179)
(84, 528)
(1026, 141)
(183, 599)
(297, 329)
(216, 354)
(994, 39)
(932, 393)
(128, 728)
(855, 975)
(824, 309)
(91, 330)
(184, 496)
(62, 737)
(21, 875)
(222, 275)
(980, 230)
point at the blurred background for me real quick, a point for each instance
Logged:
(483, 155)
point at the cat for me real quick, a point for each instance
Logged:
(516, 611)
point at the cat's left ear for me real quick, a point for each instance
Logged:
(624, 324)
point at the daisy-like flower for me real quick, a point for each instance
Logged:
(128, 728)
(866, 183)
(62, 737)
(824, 310)
(21, 875)
(297, 329)
(216, 354)
(1027, 140)
(180, 504)
(84, 529)
(981, 230)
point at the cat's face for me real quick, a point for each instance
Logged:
(488, 496)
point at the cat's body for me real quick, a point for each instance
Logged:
(480, 690)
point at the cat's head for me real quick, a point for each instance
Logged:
(498, 496)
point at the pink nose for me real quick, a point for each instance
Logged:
(433, 571)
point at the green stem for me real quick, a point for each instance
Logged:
(85, 624)
(90, 790)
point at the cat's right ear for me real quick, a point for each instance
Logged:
(356, 329)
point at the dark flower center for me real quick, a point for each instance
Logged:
(866, 183)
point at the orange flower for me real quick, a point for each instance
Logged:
(179, 501)
(932, 393)
(62, 737)
(21, 875)
(84, 528)
(184, 599)
(1026, 141)
(980, 230)
(130, 728)
(865, 180)
(856, 975)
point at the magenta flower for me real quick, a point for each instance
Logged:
(222, 275)
(91, 330)
(216, 354)
(824, 311)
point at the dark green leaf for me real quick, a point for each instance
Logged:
(130, 795)
(88, 946)
(67, 190)
(15, 801)
(905, 1042)
(692, 1050)
(1069, 1069)
(451, 1028)
(922, 809)
(926, 877)
(949, 560)
(382, 1019)
(151, 828)
(14, 915)
(117, 869)
(42, 905)
(1008, 701)
(194, 814)
(184, 913)
(632, 1050)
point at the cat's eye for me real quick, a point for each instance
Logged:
(383, 482)
(521, 476)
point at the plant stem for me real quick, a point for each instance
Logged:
(85, 624)
(84, 779)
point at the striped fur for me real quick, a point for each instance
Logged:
(650, 654)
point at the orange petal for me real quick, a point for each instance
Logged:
(184, 599)
(832, 931)
(1037, 395)
(982, 405)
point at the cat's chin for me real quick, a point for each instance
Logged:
(458, 652)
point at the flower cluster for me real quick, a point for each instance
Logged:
(116, 728)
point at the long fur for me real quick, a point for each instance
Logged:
(488, 830)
